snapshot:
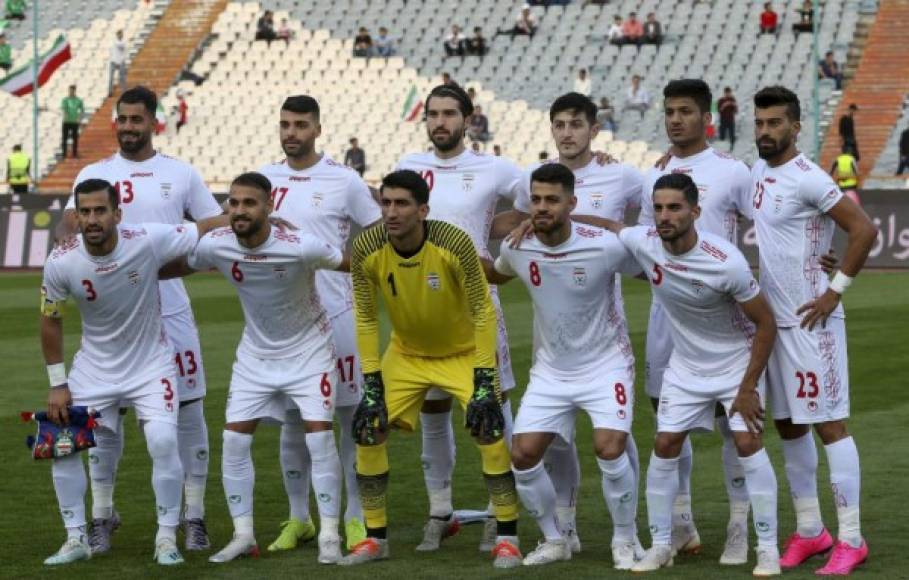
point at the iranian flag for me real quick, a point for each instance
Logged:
(20, 81)
(413, 105)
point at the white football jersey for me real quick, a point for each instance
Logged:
(277, 286)
(324, 200)
(579, 324)
(604, 191)
(793, 232)
(724, 190)
(118, 298)
(162, 190)
(464, 190)
(700, 291)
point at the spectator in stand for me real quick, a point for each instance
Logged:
(18, 167)
(182, 110)
(384, 44)
(284, 32)
(633, 30)
(497, 150)
(117, 64)
(806, 18)
(265, 27)
(454, 42)
(606, 115)
(728, 108)
(15, 9)
(355, 158)
(472, 95)
(653, 30)
(6, 53)
(476, 44)
(475, 147)
(478, 129)
(73, 109)
(362, 43)
(769, 20)
(447, 80)
(525, 23)
(847, 130)
(636, 97)
(904, 152)
(582, 83)
(845, 170)
(830, 69)
(615, 35)
(543, 156)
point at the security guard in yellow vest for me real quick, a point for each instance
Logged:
(845, 169)
(18, 166)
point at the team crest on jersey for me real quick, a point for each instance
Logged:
(467, 182)
(165, 190)
(777, 203)
(698, 285)
(317, 199)
(580, 277)
(596, 200)
(435, 283)
(133, 278)
(280, 272)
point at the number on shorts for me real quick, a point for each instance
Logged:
(325, 385)
(349, 375)
(191, 367)
(236, 272)
(657, 275)
(168, 390)
(620, 397)
(535, 278)
(811, 379)
(90, 293)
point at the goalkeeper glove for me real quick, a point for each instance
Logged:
(484, 415)
(371, 414)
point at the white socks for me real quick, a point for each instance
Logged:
(348, 456)
(326, 477)
(192, 434)
(438, 460)
(734, 474)
(102, 466)
(621, 494)
(561, 463)
(70, 484)
(539, 498)
(238, 474)
(801, 471)
(167, 473)
(681, 509)
(662, 488)
(845, 480)
(295, 469)
(761, 483)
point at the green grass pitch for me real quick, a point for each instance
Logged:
(31, 527)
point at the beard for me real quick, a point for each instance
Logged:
(443, 143)
(773, 148)
(252, 227)
(141, 140)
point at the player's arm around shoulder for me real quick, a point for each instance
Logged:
(500, 270)
(321, 254)
(193, 256)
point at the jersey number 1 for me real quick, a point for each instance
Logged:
(391, 283)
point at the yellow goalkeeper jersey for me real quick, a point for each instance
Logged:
(438, 300)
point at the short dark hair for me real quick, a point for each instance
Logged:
(695, 89)
(680, 182)
(554, 173)
(254, 180)
(452, 92)
(574, 102)
(94, 186)
(302, 104)
(140, 95)
(409, 180)
(17, 147)
(779, 95)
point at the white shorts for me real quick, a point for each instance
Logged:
(549, 404)
(503, 355)
(350, 374)
(260, 388)
(183, 337)
(808, 374)
(154, 399)
(689, 403)
(657, 351)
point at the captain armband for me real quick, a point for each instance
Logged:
(51, 308)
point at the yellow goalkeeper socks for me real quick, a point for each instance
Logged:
(372, 479)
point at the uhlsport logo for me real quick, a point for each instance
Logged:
(234, 499)
(293, 474)
(202, 454)
(324, 497)
(162, 510)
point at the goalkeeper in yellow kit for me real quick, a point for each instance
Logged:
(443, 335)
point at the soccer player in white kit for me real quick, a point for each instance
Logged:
(582, 360)
(724, 194)
(602, 191)
(723, 331)
(156, 188)
(286, 351)
(797, 207)
(111, 272)
(465, 187)
(323, 197)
